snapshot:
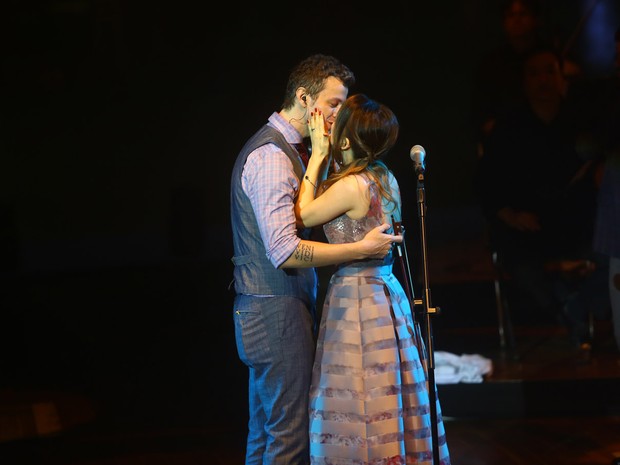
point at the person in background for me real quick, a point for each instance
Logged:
(275, 280)
(538, 192)
(596, 101)
(497, 80)
(497, 83)
(369, 397)
(606, 239)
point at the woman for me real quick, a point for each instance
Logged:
(369, 399)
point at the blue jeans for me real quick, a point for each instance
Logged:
(275, 339)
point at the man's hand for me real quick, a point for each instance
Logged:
(377, 244)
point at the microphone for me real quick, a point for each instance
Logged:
(417, 155)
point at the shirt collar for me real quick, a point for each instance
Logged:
(291, 134)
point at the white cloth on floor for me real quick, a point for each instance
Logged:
(467, 368)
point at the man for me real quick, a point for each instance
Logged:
(607, 226)
(538, 192)
(275, 279)
(497, 80)
(497, 84)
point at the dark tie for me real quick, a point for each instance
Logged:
(303, 152)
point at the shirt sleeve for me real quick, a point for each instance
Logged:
(270, 183)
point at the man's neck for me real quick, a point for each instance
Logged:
(296, 119)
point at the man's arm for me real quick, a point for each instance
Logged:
(376, 244)
(269, 189)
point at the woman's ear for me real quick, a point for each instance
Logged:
(345, 144)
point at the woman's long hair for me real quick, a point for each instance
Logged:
(372, 130)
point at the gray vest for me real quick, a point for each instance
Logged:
(253, 272)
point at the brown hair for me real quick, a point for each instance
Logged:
(372, 130)
(312, 73)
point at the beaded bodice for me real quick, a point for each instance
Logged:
(344, 229)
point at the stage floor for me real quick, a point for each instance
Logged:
(139, 366)
(539, 405)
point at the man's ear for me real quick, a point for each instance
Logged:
(302, 95)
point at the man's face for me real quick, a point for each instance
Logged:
(519, 21)
(543, 77)
(330, 99)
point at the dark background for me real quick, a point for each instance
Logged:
(119, 125)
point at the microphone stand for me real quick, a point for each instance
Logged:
(425, 303)
(427, 312)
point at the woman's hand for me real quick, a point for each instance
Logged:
(319, 135)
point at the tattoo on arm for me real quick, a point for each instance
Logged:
(304, 252)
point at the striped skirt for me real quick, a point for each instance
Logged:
(369, 398)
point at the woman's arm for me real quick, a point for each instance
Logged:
(348, 195)
(318, 164)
